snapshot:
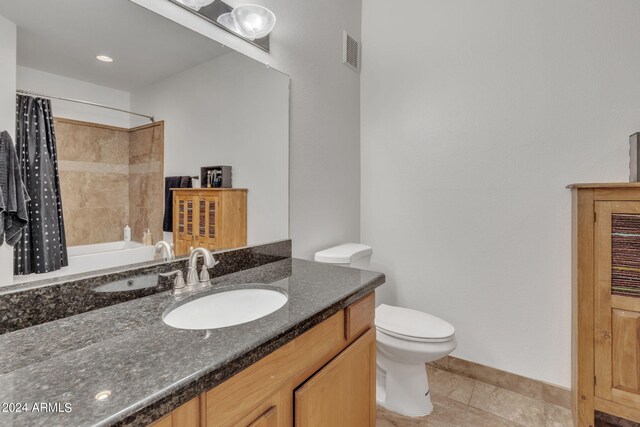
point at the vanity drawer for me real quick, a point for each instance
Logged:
(359, 316)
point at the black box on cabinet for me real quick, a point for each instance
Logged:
(215, 177)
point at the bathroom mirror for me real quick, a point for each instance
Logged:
(159, 132)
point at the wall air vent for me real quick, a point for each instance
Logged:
(351, 52)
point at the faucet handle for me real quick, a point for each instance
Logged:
(204, 274)
(178, 282)
(204, 271)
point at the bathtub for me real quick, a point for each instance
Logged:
(87, 258)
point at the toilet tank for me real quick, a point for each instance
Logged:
(354, 255)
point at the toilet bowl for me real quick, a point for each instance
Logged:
(406, 340)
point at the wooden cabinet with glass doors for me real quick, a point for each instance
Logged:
(606, 302)
(214, 219)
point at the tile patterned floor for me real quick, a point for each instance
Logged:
(460, 401)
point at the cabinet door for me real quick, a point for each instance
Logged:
(208, 218)
(343, 392)
(185, 223)
(187, 415)
(268, 419)
(617, 302)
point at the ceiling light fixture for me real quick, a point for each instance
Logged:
(226, 19)
(250, 21)
(196, 4)
(104, 58)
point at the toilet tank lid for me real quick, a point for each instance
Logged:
(344, 254)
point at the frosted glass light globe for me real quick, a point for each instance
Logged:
(196, 4)
(253, 21)
(229, 22)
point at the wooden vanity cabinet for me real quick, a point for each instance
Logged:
(325, 377)
(342, 392)
(606, 301)
(212, 218)
(187, 415)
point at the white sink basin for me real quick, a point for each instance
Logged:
(225, 309)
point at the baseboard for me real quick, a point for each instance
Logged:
(535, 389)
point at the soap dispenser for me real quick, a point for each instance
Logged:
(147, 240)
(127, 233)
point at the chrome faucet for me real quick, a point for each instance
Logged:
(193, 280)
(163, 247)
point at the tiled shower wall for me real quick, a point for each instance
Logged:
(110, 177)
(146, 180)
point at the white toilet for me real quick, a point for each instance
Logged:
(406, 340)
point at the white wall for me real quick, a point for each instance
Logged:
(232, 111)
(325, 112)
(475, 115)
(7, 118)
(56, 85)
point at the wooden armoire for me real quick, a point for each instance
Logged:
(606, 302)
(212, 218)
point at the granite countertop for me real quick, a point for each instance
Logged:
(150, 368)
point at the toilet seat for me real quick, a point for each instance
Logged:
(412, 325)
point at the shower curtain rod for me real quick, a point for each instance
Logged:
(78, 101)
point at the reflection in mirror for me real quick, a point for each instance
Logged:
(193, 149)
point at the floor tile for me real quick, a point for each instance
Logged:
(446, 384)
(556, 416)
(385, 418)
(508, 405)
(446, 413)
(477, 418)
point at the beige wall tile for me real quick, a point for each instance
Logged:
(87, 143)
(92, 167)
(136, 189)
(137, 223)
(77, 223)
(103, 190)
(143, 218)
(147, 145)
(146, 181)
(81, 192)
(154, 167)
(98, 188)
(156, 217)
(146, 190)
(107, 224)
(71, 185)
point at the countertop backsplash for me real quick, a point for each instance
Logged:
(34, 303)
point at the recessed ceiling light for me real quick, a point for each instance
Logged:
(104, 58)
(103, 395)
